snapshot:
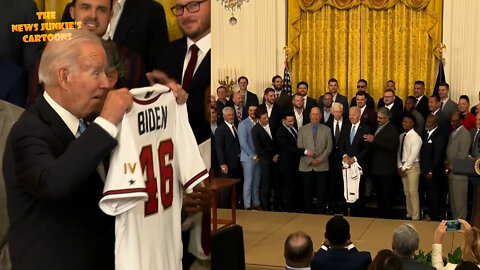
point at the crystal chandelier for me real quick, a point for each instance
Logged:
(232, 5)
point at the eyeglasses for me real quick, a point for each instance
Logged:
(192, 7)
(361, 86)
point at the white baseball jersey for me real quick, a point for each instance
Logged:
(156, 159)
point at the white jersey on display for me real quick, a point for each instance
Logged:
(157, 158)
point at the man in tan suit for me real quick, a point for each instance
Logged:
(9, 114)
(316, 137)
(458, 146)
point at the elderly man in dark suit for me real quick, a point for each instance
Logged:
(298, 251)
(263, 139)
(9, 114)
(337, 97)
(383, 166)
(338, 252)
(227, 146)
(354, 148)
(55, 159)
(432, 156)
(405, 243)
(316, 137)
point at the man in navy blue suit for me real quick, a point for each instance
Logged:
(298, 251)
(338, 252)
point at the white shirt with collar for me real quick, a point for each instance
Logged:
(305, 101)
(435, 112)
(444, 100)
(419, 98)
(411, 150)
(267, 129)
(302, 268)
(429, 133)
(204, 45)
(299, 118)
(389, 106)
(269, 109)
(231, 127)
(72, 121)
(362, 110)
(334, 96)
(117, 13)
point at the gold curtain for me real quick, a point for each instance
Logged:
(376, 40)
(59, 5)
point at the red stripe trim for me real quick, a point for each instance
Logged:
(123, 191)
(149, 101)
(195, 178)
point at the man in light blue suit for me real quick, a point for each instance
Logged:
(249, 159)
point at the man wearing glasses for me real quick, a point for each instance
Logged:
(362, 86)
(187, 60)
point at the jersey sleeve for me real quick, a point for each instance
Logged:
(124, 187)
(191, 169)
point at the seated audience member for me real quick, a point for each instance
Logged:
(468, 118)
(337, 97)
(405, 243)
(338, 252)
(362, 87)
(386, 260)
(470, 247)
(298, 251)
(410, 107)
(408, 163)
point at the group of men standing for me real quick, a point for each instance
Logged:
(301, 155)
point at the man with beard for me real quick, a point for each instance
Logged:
(282, 97)
(308, 102)
(240, 111)
(327, 118)
(274, 110)
(362, 86)
(301, 116)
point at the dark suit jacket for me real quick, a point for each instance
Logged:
(284, 100)
(412, 264)
(359, 148)
(305, 117)
(172, 64)
(244, 114)
(227, 147)
(220, 107)
(328, 121)
(369, 118)
(264, 145)
(275, 119)
(311, 102)
(339, 99)
(397, 103)
(341, 259)
(53, 192)
(384, 151)
(142, 28)
(422, 107)
(370, 102)
(443, 124)
(14, 83)
(432, 153)
(289, 154)
(252, 99)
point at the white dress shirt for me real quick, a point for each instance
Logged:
(204, 45)
(335, 126)
(299, 118)
(267, 129)
(231, 127)
(112, 26)
(269, 109)
(411, 150)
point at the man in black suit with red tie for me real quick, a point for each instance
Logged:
(53, 186)
(432, 156)
(354, 148)
(422, 100)
(263, 139)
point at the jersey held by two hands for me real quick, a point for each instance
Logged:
(157, 158)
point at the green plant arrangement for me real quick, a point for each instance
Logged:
(426, 258)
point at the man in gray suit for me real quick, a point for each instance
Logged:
(8, 116)
(405, 243)
(448, 106)
(457, 147)
(317, 137)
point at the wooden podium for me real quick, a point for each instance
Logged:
(471, 168)
(216, 185)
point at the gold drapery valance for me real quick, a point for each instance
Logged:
(376, 40)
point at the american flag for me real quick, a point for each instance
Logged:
(287, 83)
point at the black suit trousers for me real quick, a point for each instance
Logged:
(314, 181)
(385, 194)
